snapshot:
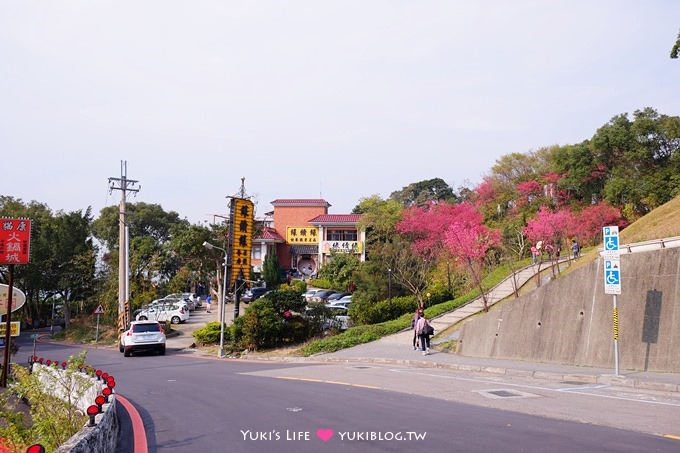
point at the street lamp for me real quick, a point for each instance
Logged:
(389, 284)
(209, 246)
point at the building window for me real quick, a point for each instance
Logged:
(257, 253)
(341, 235)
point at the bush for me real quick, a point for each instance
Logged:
(367, 312)
(321, 283)
(356, 335)
(295, 330)
(52, 420)
(438, 293)
(297, 286)
(209, 334)
(283, 301)
(260, 327)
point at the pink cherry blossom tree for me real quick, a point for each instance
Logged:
(457, 229)
(468, 239)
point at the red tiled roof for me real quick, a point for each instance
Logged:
(300, 202)
(270, 235)
(335, 219)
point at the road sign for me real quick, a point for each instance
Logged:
(18, 298)
(15, 241)
(99, 310)
(612, 276)
(14, 331)
(610, 238)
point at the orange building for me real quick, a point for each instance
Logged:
(304, 235)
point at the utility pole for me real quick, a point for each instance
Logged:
(124, 185)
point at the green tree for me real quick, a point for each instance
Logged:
(340, 270)
(154, 262)
(378, 218)
(423, 192)
(270, 269)
(62, 261)
(676, 48)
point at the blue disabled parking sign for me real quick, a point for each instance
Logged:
(612, 276)
(610, 236)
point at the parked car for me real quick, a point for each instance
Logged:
(252, 294)
(142, 336)
(340, 319)
(307, 296)
(322, 296)
(171, 301)
(172, 312)
(187, 297)
(341, 303)
(336, 296)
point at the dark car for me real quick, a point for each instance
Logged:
(335, 296)
(253, 294)
(322, 296)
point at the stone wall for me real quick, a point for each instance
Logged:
(101, 438)
(569, 320)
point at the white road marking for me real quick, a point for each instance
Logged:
(576, 391)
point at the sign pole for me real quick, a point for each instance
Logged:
(96, 335)
(615, 317)
(8, 333)
(612, 281)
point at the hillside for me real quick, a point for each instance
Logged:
(662, 222)
(569, 320)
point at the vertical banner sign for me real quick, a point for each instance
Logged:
(15, 241)
(242, 217)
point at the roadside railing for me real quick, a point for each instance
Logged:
(648, 246)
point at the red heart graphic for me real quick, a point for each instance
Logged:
(324, 434)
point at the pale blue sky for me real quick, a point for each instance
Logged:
(338, 99)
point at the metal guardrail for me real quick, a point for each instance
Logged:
(647, 246)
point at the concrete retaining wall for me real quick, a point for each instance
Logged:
(569, 320)
(101, 438)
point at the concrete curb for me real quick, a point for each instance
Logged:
(618, 381)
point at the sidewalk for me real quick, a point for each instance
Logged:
(397, 349)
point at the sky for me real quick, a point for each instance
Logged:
(329, 99)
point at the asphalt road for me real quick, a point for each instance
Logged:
(192, 403)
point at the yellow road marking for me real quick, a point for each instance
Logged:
(349, 384)
(671, 436)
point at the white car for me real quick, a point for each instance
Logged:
(308, 296)
(344, 302)
(142, 336)
(340, 319)
(175, 313)
(186, 303)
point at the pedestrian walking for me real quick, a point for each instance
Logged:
(208, 300)
(414, 321)
(424, 330)
(575, 248)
